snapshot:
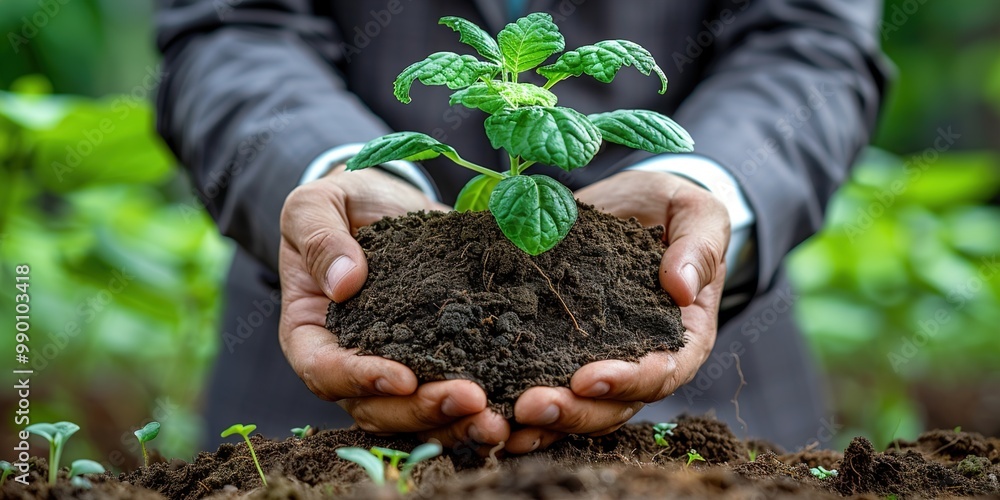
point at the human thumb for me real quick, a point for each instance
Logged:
(314, 222)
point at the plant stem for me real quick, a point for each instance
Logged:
(53, 463)
(472, 166)
(515, 164)
(524, 166)
(145, 456)
(255, 461)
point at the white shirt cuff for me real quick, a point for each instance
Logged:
(340, 154)
(722, 184)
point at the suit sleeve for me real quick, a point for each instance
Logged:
(249, 98)
(790, 96)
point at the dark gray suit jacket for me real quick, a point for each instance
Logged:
(783, 93)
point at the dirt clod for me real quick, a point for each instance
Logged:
(450, 297)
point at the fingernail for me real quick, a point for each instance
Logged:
(384, 386)
(450, 408)
(338, 271)
(550, 415)
(597, 390)
(535, 444)
(690, 276)
(475, 435)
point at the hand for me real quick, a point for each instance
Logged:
(321, 261)
(604, 395)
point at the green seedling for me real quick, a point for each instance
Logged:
(245, 430)
(6, 469)
(57, 434)
(373, 462)
(302, 432)
(692, 457)
(822, 473)
(661, 430)
(534, 212)
(753, 455)
(81, 467)
(147, 433)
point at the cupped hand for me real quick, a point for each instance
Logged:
(604, 395)
(320, 261)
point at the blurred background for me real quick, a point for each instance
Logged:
(899, 295)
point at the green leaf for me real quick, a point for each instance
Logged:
(535, 212)
(475, 196)
(411, 146)
(85, 466)
(370, 463)
(602, 61)
(643, 129)
(552, 136)
(474, 36)
(148, 433)
(241, 429)
(529, 42)
(496, 96)
(442, 68)
(47, 431)
(423, 452)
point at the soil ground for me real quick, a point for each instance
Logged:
(449, 296)
(624, 464)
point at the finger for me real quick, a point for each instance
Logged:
(558, 409)
(334, 373)
(698, 235)
(315, 224)
(530, 439)
(657, 375)
(433, 405)
(483, 428)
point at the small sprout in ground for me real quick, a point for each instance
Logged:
(147, 433)
(692, 457)
(5, 470)
(302, 432)
(822, 473)
(81, 467)
(373, 462)
(245, 430)
(753, 455)
(661, 430)
(57, 434)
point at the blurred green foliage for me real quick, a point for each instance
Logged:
(901, 290)
(93, 201)
(126, 267)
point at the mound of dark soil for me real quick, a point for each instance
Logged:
(624, 464)
(449, 296)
